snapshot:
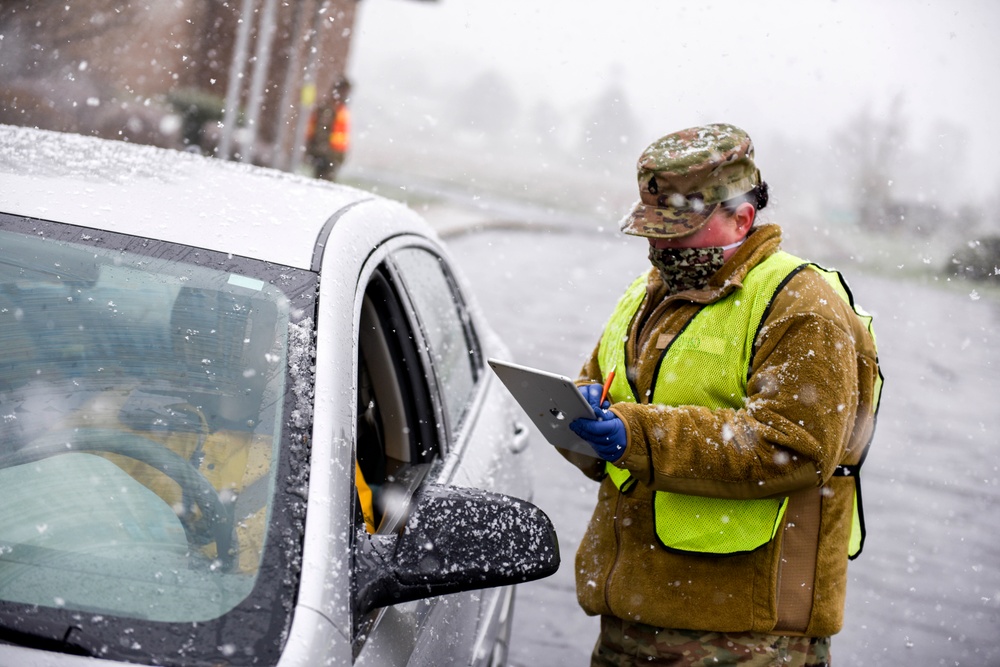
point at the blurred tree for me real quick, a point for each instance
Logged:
(487, 106)
(869, 147)
(610, 128)
(991, 222)
(938, 175)
(946, 156)
(546, 126)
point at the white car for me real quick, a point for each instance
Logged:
(245, 419)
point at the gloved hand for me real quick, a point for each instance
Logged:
(606, 434)
(592, 392)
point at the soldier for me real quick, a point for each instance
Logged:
(743, 385)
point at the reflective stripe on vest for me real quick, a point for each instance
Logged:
(708, 364)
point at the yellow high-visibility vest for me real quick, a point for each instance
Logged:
(708, 364)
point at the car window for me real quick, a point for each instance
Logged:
(446, 326)
(145, 393)
(398, 434)
(169, 373)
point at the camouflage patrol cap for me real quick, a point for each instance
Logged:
(682, 175)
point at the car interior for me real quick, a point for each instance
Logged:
(174, 384)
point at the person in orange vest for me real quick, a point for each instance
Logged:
(329, 135)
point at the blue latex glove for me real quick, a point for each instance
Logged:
(606, 434)
(592, 392)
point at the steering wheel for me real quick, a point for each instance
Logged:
(193, 484)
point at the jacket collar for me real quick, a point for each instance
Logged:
(762, 241)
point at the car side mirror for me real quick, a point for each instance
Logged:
(455, 539)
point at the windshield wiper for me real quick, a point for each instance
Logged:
(29, 632)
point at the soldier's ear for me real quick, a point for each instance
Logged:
(744, 215)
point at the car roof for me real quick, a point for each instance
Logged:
(167, 195)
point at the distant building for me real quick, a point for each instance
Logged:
(159, 73)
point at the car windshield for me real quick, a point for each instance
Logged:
(144, 396)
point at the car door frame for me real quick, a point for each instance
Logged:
(497, 432)
(320, 632)
(392, 634)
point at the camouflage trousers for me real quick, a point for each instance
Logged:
(627, 644)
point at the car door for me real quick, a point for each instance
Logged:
(428, 410)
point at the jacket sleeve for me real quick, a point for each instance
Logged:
(802, 400)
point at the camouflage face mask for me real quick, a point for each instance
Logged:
(686, 268)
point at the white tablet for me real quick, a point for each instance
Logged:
(551, 401)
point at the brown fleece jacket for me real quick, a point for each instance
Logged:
(809, 408)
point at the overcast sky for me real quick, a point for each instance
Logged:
(769, 65)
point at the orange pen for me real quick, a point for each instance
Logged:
(607, 384)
